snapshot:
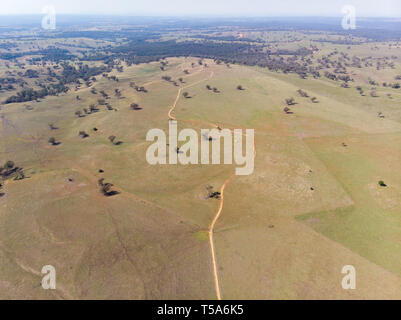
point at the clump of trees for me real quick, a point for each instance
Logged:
(140, 89)
(10, 170)
(92, 109)
(69, 75)
(211, 194)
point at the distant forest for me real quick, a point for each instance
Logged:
(143, 40)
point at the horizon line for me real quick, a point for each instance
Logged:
(144, 15)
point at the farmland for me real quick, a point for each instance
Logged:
(313, 204)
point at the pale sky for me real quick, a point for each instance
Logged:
(364, 8)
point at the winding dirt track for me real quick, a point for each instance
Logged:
(211, 231)
(170, 116)
(218, 213)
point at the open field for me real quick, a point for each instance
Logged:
(312, 205)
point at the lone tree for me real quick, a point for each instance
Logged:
(83, 134)
(53, 141)
(79, 114)
(208, 87)
(9, 165)
(135, 106)
(215, 90)
(290, 101)
(382, 184)
(106, 188)
(93, 109)
(52, 127)
(314, 100)
(240, 87)
(303, 93)
(113, 141)
(186, 95)
(287, 110)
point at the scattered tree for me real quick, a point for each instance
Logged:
(290, 101)
(303, 93)
(83, 134)
(113, 141)
(53, 141)
(135, 106)
(106, 188)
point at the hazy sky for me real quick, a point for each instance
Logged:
(389, 8)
